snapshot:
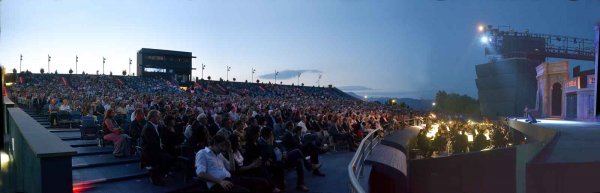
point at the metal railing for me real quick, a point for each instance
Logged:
(355, 168)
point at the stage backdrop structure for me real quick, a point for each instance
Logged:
(551, 77)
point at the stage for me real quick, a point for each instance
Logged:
(575, 141)
(568, 159)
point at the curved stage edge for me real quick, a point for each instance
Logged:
(560, 156)
(569, 160)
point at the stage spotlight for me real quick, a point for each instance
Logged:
(485, 40)
(480, 28)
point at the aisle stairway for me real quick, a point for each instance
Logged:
(95, 169)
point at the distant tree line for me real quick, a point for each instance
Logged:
(453, 103)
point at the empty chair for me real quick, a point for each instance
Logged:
(64, 116)
(88, 128)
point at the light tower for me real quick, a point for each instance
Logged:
(76, 61)
(203, 67)
(130, 65)
(299, 73)
(228, 69)
(253, 71)
(49, 63)
(20, 61)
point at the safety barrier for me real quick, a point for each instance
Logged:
(356, 166)
(38, 161)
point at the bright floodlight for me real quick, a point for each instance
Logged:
(366, 97)
(480, 28)
(433, 104)
(485, 40)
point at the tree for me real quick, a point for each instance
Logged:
(42, 71)
(124, 72)
(208, 78)
(97, 72)
(83, 72)
(391, 102)
(257, 81)
(110, 73)
(246, 81)
(403, 105)
(221, 79)
(234, 79)
(70, 71)
(133, 74)
(55, 71)
(14, 71)
(454, 103)
(281, 82)
(302, 84)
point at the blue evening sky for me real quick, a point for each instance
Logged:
(400, 48)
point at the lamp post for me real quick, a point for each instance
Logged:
(103, 61)
(76, 61)
(49, 63)
(129, 65)
(253, 71)
(203, 66)
(228, 69)
(20, 61)
(299, 73)
(276, 73)
(319, 80)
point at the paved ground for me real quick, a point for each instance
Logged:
(335, 166)
(577, 142)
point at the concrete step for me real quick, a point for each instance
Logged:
(82, 143)
(90, 161)
(108, 173)
(69, 135)
(134, 185)
(84, 151)
(56, 130)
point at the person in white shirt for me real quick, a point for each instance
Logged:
(214, 168)
(65, 106)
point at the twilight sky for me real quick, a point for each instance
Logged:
(399, 48)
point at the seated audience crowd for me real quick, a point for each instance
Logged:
(239, 137)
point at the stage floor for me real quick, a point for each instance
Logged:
(576, 142)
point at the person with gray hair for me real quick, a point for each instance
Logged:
(153, 148)
(196, 133)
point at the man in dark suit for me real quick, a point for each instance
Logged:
(136, 127)
(292, 140)
(38, 104)
(153, 149)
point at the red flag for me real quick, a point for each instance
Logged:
(64, 80)
(4, 91)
